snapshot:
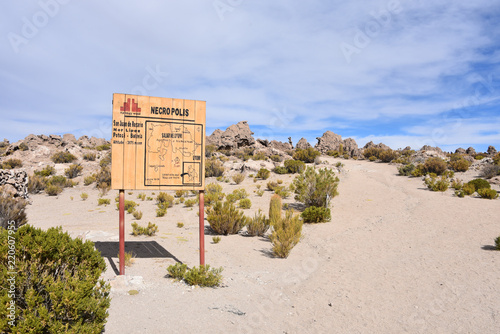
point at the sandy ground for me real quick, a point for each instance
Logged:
(396, 258)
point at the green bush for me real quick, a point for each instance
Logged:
(210, 150)
(12, 209)
(435, 184)
(333, 153)
(177, 271)
(263, 173)
(190, 202)
(84, 196)
(180, 193)
(487, 193)
(479, 184)
(258, 225)
(11, 164)
(406, 170)
(275, 210)
(23, 147)
(418, 171)
(161, 210)
(213, 167)
(435, 165)
(313, 188)
(372, 153)
(104, 147)
(163, 197)
(73, 171)
(89, 156)
(259, 193)
(497, 243)
(282, 192)
(496, 159)
(245, 203)
(468, 189)
(204, 276)
(150, 230)
(281, 169)
(213, 193)
(103, 201)
(259, 156)
(286, 234)
(106, 161)
(137, 215)
(272, 185)
(63, 157)
(276, 158)
(88, 180)
(460, 165)
(315, 214)
(294, 166)
(57, 285)
(388, 155)
(36, 184)
(53, 190)
(238, 178)
(129, 205)
(225, 218)
(308, 155)
(47, 171)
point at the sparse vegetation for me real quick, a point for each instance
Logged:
(294, 166)
(11, 164)
(238, 178)
(479, 184)
(490, 171)
(137, 214)
(36, 184)
(129, 258)
(89, 156)
(104, 147)
(161, 211)
(88, 180)
(458, 163)
(47, 171)
(437, 184)
(150, 230)
(245, 203)
(180, 225)
(487, 193)
(11, 209)
(53, 190)
(73, 171)
(308, 155)
(263, 173)
(258, 225)
(103, 201)
(84, 196)
(204, 276)
(190, 202)
(286, 234)
(213, 167)
(216, 239)
(166, 199)
(177, 271)
(141, 196)
(435, 165)
(63, 157)
(406, 170)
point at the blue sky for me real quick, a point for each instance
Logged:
(401, 72)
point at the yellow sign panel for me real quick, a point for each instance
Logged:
(157, 143)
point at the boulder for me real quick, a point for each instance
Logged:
(303, 144)
(235, 136)
(68, 138)
(351, 147)
(215, 138)
(471, 151)
(280, 146)
(379, 145)
(328, 142)
(491, 150)
(460, 151)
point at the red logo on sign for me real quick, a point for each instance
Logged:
(127, 106)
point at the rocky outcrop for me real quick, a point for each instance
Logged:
(17, 179)
(303, 144)
(328, 142)
(277, 145)
(351, 147)
(235, 136)
(491, 150)
(460, 151)
(379, 145)
(471, 151)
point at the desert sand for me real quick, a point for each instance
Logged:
(396, 258)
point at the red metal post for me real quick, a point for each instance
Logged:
(202, 227)
(121, 209)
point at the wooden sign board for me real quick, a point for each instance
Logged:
(157, 143)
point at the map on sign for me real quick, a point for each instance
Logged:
(157, 143)
(177, 144)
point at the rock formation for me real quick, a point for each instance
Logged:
(303, 144)
(235, 136)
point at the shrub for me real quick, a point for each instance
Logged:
(11, 209)
(210, 150)
(213, 193)
(315, 188)
(238, 178)
(468, 189)
(260, 193)
(259, 156)
(490, 171)
(190, 202)
(435, 184)
(88, 180)
(240, 193)
(258, 225)
(225, 219)
(128, 205)
(308, 155)
(204, 276)
(63, 157)
(89, 156)
(166, 199)
(106, 161)
(272, 185)
(286, 234)
(104, 147)
(496, 159)
(73, 171)
(487, 193)
(276, 158)
(47, 171)
(456, 184)
(141, 196)
(388, 155)
(103, 178)
(23, 147)
(180, 225)
(418, 171)
(315, 214)
(274, 210)
(333, 153)
(103, 201)
(372, 158)
(263, 173)
(84, 196)
(294, 166)
(150, 230)
(216, 239)
(372, 153)
(36, 184)
(180, 193)
(460, 165)
(213, 168)
(57, 286)
(128, 258)
(177, 271)
(11, 164)
(161, 210)
(57, 180)
(282, 192)
(434, 165)
(406, 170)
(281, 169)
(497, 243)
(479, 184)
(53, 190)
(245, 203)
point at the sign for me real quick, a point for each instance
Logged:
(157, 143)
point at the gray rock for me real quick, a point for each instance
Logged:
(303, 144)
(328, 142)
(492, 150)
(235, 136)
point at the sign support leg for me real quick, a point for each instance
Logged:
(202, 227)
(121, 209)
